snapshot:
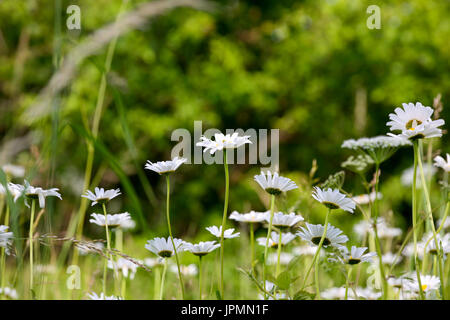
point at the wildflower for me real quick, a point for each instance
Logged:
(34, 193)
(227, 234)
(356, 255)
(360, 164)
(282, 220)
(442, 163)
(273, 240)
(429, 283)
(333, 199)
(101, 196)
(9, 293)
(366, 198)
(222, 141)
(414, 122)
(251, 217)
(378, 148)
(128, 267)
(431, 243)
(13, 170)
(186, 270)
(389, 258)
(285, 258)
(127, 224)
(335, 293)
(407, 175)
(202, 248)
(163, 247)
(275, 184)
(5, 238)
(308, 250)
(368, 293)
(313, 234)
(165, 167)
(395, 282)
(112, 220)
(153, 262)
(95, 296)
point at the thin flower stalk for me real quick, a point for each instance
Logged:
(108, 246)
(224, 220)
(163, 278)
(269, 232)
(30, 236)
(171, 236)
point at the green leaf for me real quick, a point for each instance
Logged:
(283, 280)
(304, 295)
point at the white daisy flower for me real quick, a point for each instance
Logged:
(16, 190)
(113, 220)
(5, 238)
(336, 293)
(190, 270)
(274, 184)
(128, 224)
(356, 255)
(13, 170)
(431, 247)
(408, 250)
(333, 199)
(366, 198)
(227, 234)
(368, 293)
(282, 220)
(442, 163)
(313, 234)
(269, 287)
(95, 296)
(164, 248)
(222, 141)
(364, 227)
(127, 267)
(446, 223)
(251, 217)
(164, 167)
(153, 262)
(202, 248)
(274, 237)
(396, 282)
(285, 258)
(424, 131)
(429, 283)
(34, 193)
(101, 196)
(411, 116)
(389, 258)
(407, 175)
(9, 293)
(305, 250)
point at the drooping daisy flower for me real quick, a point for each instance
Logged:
(333, 199)
(366, 198)
(378, 148)
(251, 217)
(274, 184)
(431, 243)
(222, 141)
(442, 163)
(16, 190)
(163, 247)
(35, 193)
(113, 220)
(9, 293)
(165, 167)
(274, 237)
(189, 270)
(356, 255)
(95, 296)
(282, 220)
(227, 234)
(127, 267)
(5, 238)
(101, 196)
(411, 116)
(202, 248)
(313, 234)
(13, 170)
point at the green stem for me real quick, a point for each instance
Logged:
(252, 246)
(30, 236)
(3, 253)
(180, 277)
(224, 220)
(430, 217)
(277, 272)
(349, 274)
(414, 216)
(316, 255)
(200, 277)
(269, 231)
(108, 246)
(163, 278)
(316, 269)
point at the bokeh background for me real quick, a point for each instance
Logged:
(311, 69)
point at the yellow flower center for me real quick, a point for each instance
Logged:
(424, 287)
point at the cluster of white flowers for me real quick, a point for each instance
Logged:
(378, 142)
